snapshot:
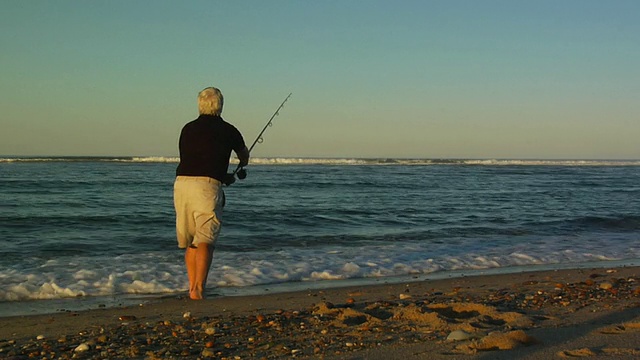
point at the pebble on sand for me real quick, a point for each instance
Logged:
(606, 286)
(459, 335)
(208, 353)
(82, 347)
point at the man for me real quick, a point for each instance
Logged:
(205, 147)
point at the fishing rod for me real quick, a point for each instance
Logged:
(240, 171)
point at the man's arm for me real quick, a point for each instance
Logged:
(243, 156)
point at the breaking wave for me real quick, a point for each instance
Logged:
(335, 161)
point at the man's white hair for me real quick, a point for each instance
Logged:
(210, 101)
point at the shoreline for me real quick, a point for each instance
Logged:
(34, 307)
(541, 314)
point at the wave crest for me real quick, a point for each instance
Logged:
(337, 161)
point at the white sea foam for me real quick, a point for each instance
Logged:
(154, 159)
(341, 161)
(158, 273)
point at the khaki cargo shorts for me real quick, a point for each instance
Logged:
(198, 201)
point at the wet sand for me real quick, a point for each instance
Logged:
(592, 313)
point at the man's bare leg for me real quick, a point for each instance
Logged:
(198, 261)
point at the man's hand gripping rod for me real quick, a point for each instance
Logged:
(240, 171)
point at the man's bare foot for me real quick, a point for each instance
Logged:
(196, 295)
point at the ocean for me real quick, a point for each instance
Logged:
(84, 232)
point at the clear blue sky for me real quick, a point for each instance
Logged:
(417, 79)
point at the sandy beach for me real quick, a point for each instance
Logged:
(592, 313)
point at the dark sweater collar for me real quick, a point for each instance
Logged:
(209, 117)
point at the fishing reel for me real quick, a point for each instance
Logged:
(230, 179)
